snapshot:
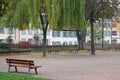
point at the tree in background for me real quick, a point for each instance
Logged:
(99, 9)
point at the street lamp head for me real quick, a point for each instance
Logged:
(43, 17)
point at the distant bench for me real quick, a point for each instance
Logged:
(73, 49)
(50, 50)
(21, 63)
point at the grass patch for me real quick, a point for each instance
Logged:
(15, 76)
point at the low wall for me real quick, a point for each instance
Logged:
(66, 47)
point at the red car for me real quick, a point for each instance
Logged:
(24, 43)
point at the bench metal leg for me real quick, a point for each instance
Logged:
(15, 68)
(35, 70)
(28, 70)
(9, 69)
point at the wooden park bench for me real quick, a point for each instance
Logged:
(21, 63)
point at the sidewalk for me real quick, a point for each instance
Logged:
(105, 66)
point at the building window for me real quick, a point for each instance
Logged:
(56, 43)
(47, 41)
(2, 30)
(114, 41)
(11, 31)
(69, 34)
(36, 31)
(65, 34)
(105, 33)
(29, 32)
(30, 41)
(1, 40)
(56, 33)
(73, 34)
(114, 33)
(23, 39)
(75, 43)
(23, 32)
(48, 32)
(70, 42)
(109, 33)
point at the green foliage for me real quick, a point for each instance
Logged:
(71, 14)
(67, 14)
(97, 33)
(60, 13)
(3, 45)
(12, 76)
(102, 8)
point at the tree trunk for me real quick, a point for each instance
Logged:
(44, 43)
(81, 39)
(44, 23)
(44, 39)
(78, 39)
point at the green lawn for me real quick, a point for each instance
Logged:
(13, 76)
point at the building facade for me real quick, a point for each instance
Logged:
(36, 36)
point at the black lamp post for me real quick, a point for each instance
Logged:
(2, 8)
(92, 28)
(102, 27)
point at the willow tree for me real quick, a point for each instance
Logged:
(58, 14)
(72, 17)
(66, 15)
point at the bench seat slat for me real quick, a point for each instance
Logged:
(20, 62)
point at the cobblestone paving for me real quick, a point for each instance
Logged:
(102, 66)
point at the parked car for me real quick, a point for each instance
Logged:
(23, 43)
(26, 43)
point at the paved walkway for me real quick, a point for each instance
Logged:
(105, 66)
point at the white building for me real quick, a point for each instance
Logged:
(53, 37)
(111, 33)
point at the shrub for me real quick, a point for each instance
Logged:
(3, 45)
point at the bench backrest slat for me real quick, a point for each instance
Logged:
(18, 61)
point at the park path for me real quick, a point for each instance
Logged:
(104, 66)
